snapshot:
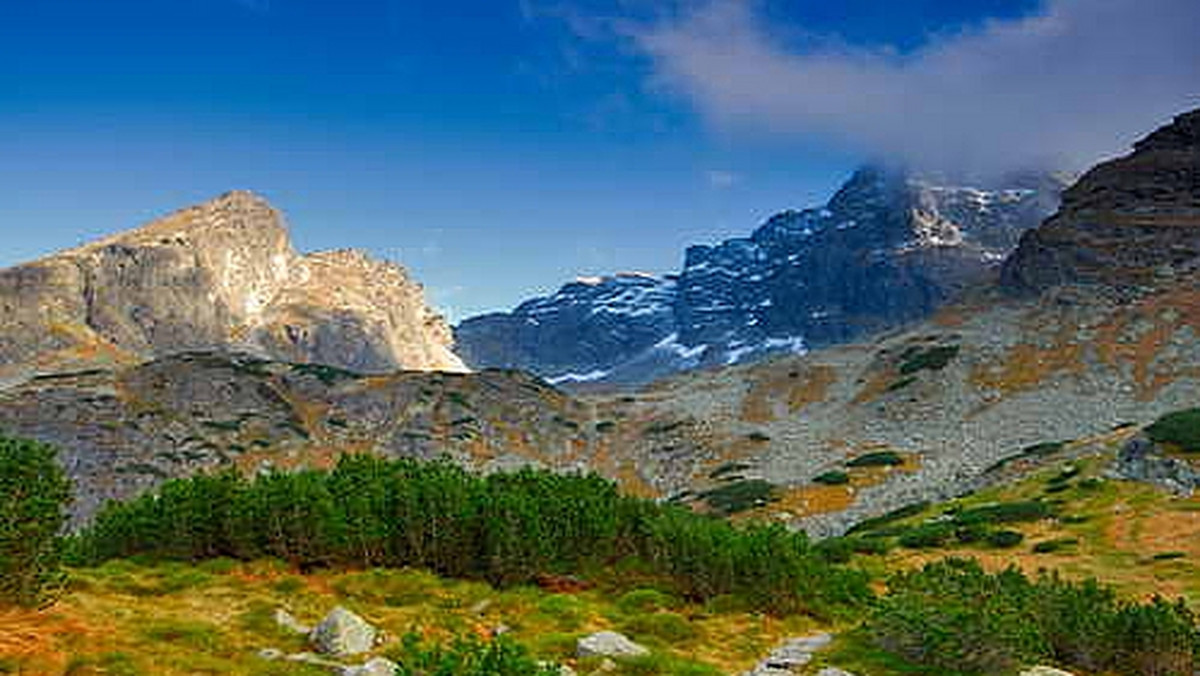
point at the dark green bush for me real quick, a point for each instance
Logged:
(953, 616)
(506, 528)
(878, 459)
(1181, 428)
(928, 535)
(1051, 546)
(917, 359)
(1005, 539)
(739, 496)
(34, 493)
(893, 516)
(1007, 512)
(500, 657)
(834, 478)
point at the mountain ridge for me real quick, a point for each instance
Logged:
(219, 275)
(888, 247)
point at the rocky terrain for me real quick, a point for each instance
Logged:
(889, 248)
(221, 275)
(918, 413)
(1126, 224)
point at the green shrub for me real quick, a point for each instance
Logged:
(34, 493)
(464, 657)
(1169, 556)
(878, 459)
(644, 601)
(926, 536)
(901, 383)
(504, 528)
(1008, 512)
(1051, 546)
(1005, 539)
(917, 359)
(833, 478)
(726, 469)
(668, 628)
(893, 516)
(954, 617)
(739, 496)
(1181, 428)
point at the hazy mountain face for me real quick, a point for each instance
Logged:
(889, 247)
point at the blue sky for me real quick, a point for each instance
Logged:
(497, 148)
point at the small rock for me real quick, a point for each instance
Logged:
(608, 644)
(500, 630)
(833, 671)
(375, 667)
(1045, 671)
(285, 620)
(343, 633)
(270, 654)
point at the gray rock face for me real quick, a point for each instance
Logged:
(1139, 460)
(219, 275)
(1126, 223)
(608, 644)
(343, 633)
(888, 248)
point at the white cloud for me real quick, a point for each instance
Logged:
(1079, 80)
(721, 179)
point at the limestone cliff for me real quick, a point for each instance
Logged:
(221, 275)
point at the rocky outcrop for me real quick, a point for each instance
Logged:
(790, 657)
(889, 247)
(1126, 224)
(222, 275)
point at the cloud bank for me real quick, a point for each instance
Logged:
(1078, 81)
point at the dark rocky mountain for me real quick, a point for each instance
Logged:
(221, 275)
(1127, 223)
(888, 248)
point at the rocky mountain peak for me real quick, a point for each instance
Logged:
(219, 275)
(888, 247)
(1126, 223)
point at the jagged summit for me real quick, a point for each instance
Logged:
(1126, 223)
(219, 275)
(888, 247)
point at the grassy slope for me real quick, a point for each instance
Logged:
(125, 618)
(1137, 538)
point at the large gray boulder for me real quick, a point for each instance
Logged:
(343, 633)
(792, 655)
(608, 644)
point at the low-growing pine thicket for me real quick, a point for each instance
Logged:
(34, 492)
(503, 528)
(953, 616)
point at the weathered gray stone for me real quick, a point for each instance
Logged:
(378, 666)
(833, 671)
(792, 655)
(270, 654)
(608, 644)
(343, 633)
